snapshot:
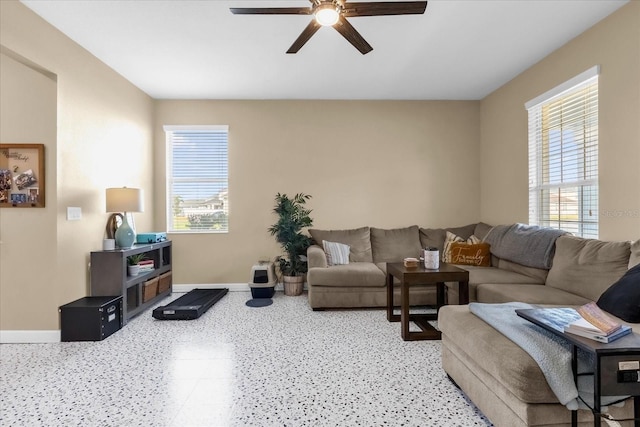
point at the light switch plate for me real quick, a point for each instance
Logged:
(74, 214)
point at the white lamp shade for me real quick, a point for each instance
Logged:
(125, 200)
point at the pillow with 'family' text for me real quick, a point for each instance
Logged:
(466, 252)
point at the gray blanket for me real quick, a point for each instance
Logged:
(551, 352)
(528, 245)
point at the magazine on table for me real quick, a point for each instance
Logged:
(599, 336)
(570, 320)
(595, 324)
(598, 318)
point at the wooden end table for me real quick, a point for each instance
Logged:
(419, 276)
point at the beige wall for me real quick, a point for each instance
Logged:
(380, 163)
(100, 116)
(614, 44)
(385, 164)
(27, 249)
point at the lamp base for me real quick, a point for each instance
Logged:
(125, 235)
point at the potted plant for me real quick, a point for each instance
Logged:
(293, 216)
(133, 268)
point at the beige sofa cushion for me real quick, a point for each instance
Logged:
(396, 244)
(433, 238)
(479, 275)
(358, 274)
(532, 294)
(538, 273)
(514, 369)
(587, 267)
(358, 239)
(635, 254)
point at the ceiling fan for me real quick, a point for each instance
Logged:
(334, 13)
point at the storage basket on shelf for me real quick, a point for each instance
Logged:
(164, 283)
(150, 289)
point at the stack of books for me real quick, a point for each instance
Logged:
(594, 323)
(146, 265)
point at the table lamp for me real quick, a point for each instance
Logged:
(125, 200)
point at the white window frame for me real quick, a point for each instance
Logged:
(546, 179)
(170, 132)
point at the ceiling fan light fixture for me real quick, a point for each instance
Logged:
(327, 15)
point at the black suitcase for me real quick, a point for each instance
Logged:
(191, 305)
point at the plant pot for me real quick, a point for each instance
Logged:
(133, 270)
(293, 285)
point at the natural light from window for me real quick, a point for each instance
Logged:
(563, 156)
(197, 179)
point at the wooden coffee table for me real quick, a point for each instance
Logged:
(419, 276)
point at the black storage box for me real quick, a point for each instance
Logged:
(90, 318)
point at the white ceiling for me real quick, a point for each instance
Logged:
(196, 49)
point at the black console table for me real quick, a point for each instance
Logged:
(609, 377)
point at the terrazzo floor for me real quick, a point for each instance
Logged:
(281, 365)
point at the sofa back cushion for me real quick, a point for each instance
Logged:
(635, 254)
(358, 239)
(396, 244)
(481, 230)
(433, 238)
(587, 267)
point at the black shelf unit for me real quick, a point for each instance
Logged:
(109, 275)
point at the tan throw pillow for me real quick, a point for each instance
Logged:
(477, 254)
(448, 254)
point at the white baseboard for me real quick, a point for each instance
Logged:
(233, 287)
(29, 337)
(45, 337)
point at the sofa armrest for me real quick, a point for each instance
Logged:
(316, 257)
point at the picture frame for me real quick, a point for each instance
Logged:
(22, 179)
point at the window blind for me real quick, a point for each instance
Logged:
(197, 179)
(563, 159)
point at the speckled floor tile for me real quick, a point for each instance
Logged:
(281, 365)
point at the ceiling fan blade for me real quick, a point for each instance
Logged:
(304, 36)
(271, 10)
(348, 32)
(384, 8)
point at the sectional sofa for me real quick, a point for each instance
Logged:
(496, 374)
(362, 282)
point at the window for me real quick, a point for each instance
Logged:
(197, 179)
(563, 156)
